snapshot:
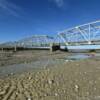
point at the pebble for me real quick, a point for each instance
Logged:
(91, 82)
(87, 93)
(76, 88)
(29, 77)
(56, 94)
(64, 91)
(2, 93)
(50, 81)
(85, 72)
(67, 60)
(97, 97)
(45, 95)
(29, 99)
(11, 73)
(95, 89)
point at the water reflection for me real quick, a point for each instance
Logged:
(82, 56)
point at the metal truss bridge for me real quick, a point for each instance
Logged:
(35, 41)
(81, 35)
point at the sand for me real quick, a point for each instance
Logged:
(68, 80)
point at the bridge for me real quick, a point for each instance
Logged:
(33, 42)
(86, 36)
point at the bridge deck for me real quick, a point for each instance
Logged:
(82, 47)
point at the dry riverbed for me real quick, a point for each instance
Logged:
(66, 80)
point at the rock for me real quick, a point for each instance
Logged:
(67, 60)
(50, 81)
(87, 93)
(85, 72)
(29, 77)
(95, 89)
(76, 88)
(64, 91)
(56, 94)
(45, 94)
(11, 73)
(2, 93)
(91, 82)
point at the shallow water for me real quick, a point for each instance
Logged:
(24, 67)
(78, 57)
(82, 56)
(43, 63)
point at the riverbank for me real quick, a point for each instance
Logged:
(64, 80)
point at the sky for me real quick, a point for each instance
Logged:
(24, 18)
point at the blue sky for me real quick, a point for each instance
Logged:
(22, 18)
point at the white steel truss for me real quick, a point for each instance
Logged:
(84, 34)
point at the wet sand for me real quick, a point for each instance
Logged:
(23, 61)
(58, 79)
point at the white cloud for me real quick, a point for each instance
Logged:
(59, 3)
(9, 7)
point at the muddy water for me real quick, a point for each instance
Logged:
(82, 56)
(42, 63)
(79, 57)
(25, 67)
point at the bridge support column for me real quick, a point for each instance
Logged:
(15, 48)
(2, 49)
(54, 47)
